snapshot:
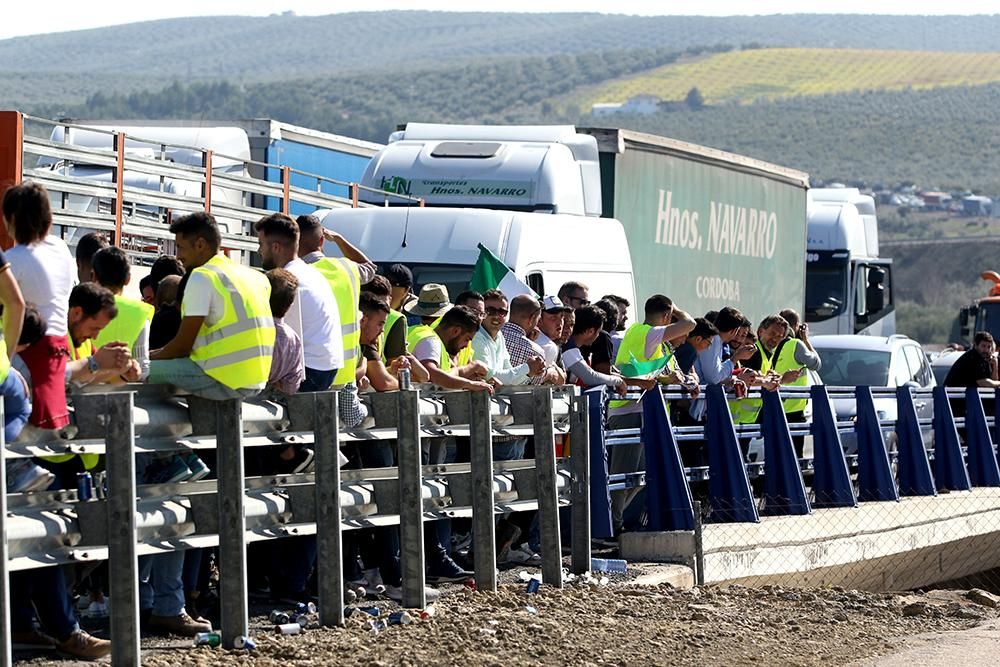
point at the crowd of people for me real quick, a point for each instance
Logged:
(218, 329)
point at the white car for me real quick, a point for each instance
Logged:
(895, 361)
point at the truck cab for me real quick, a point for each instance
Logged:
(984, 314)
(848, 286)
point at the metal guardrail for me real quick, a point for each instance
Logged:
(125, 521)
(887, 458)
(137, 217)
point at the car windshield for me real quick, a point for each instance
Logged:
(851, 368)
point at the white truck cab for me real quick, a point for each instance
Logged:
(848, 286)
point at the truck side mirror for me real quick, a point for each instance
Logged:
(875, 291)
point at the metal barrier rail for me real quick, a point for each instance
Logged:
(884, 451)
(127, 520)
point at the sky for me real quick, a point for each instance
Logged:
(31, 18)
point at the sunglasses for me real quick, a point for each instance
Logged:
(496, 312)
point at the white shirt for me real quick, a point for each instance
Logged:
(314, 316)
(46, 272)
(429, 349)
(494, 354)
(549, 348)
(202, 300)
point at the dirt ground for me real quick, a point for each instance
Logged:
(619, 625)
(616, 624)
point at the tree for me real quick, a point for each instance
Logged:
(694, 100)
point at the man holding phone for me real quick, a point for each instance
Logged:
(793, 355)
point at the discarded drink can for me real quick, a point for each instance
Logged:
(428, 612)
(470, 584)
(400, 618)
(306, 608)
(287, 629)
(212, 639)
(301, 619)
(533, 585)
(404, 378)
(279, 617)
(371, 611)
(84, 486)
(244, 642)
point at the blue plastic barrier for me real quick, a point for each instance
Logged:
(668, 497)
(913, 470)
(831, 482)
(784, 490)
(981, 455)
(875, 482)
(728, 485)
(600, 497)
(949, 465)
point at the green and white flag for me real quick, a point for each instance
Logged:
(491, 273)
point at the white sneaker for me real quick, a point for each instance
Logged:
(396, 593)
(24, 475)
(523, 555)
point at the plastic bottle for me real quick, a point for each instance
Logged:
(428, 612)
(608, 565)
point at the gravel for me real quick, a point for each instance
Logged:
(616, 624)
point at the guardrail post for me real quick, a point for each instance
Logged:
(831, 482)
(481, 457)
(784, 490)
(600, 498)
(982, 458)
(411, 501)
(579, 461)
(232, 522)
(913, 470)
(875, 481)
(123, 564)
(6, 659)
(668, 495)
(548, 493)
(949, 465)
(728, 485)
(330, 570)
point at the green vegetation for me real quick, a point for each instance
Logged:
(751, 75)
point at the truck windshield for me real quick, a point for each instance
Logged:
(846, 367)
(826, 286)
(454, 277)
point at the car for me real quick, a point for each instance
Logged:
(875, 361)
(943, 362)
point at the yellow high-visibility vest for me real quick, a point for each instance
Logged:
(464, 356)
(393, 317)
(422, 332)
(236, 351)
(132, 316)
(786, 362)
(633, 345)
(345, 281)
(746, 410)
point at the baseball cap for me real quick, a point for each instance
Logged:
(551, 304)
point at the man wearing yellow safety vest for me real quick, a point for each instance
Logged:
(110, 267)
(226, 338)
(791, 354)
(642, 349)
(445, 330)
(345, 275)
(394, 337)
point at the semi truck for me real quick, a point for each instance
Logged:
(849, 287)
(624, 212)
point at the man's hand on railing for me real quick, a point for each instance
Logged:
(133, 373)
(792, 375)
(480, 386)
(536, 366)
(643, 383)
(749, 377)
(113, 356)
(621, 387)
(474, 370)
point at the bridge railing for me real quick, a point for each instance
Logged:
(125, 520)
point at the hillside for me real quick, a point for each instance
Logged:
(755, 74)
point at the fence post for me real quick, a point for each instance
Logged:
(6, 659)
(728, 485)
(579, 461)
(411, 503)
(784, 490)
(481, 456)
(123, 564)
(330, 568)
(913, 471)
(949, 465)
(831, 484)
(600, 498)
(982, 458)
(548, 493)
(232, 523)
(875, 481)
(668, 495)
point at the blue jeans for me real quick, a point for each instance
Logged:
(16, 405)
(161, 585)
(509, 450)
(317, 380)
(46, 589)
(189, 376)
